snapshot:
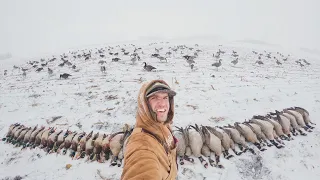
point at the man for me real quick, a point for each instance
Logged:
(151, 149)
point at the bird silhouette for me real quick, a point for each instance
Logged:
(234, 62)
(217, 64)
(148, 67)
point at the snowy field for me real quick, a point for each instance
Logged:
(103, 102)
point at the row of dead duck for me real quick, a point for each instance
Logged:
(261, 131)
(97, 147)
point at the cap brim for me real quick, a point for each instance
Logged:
(170, 92)
(159, 87)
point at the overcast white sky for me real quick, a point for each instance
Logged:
(37, 26)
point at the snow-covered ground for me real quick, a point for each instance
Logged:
(91, 100)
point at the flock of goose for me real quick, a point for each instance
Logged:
(198, 141)
(189, 53)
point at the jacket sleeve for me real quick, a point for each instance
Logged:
(141, 164)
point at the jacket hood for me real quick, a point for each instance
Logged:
(146, 119)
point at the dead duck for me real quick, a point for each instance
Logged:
(260, 135)
(74, 144)
(45, 136)
(213, 143)
(66, 144)
(105, 151)
(249, 135)
(8, 135)
(115, 147)
(284, 122)
(148, 67)
(33, 136)
(277, 126)
(197, 140)
(65, 75)
(27, 137)
(238, 138)
(305, 115)
(106, 146)
(225, 141)
(17, 133)
(267, 129)
(81, 147)
(20, 138)
(12, 132)
(127, 132)
(97, 147)
(183, 145)
(38, 138)
(52, 139)
(60, 139)
(89, 146)
(299, 118)
(295, 121)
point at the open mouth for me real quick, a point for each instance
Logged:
(161, 111)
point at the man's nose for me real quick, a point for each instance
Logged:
(161, 102)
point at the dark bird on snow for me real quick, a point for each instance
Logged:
(190, 61)
(50, 71)
(148, 67)
(155, 55)
(234, 62)
(259, 62)
(103, 69)
(101, 62)
(115, 59)
(39, 69)
(192, 65)
(217, 64)
(305, 61)
(278, 62)
(64, 75)
(300, 64)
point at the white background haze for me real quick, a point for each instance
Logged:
(37, 26)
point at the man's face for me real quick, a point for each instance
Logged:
(159, 104)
